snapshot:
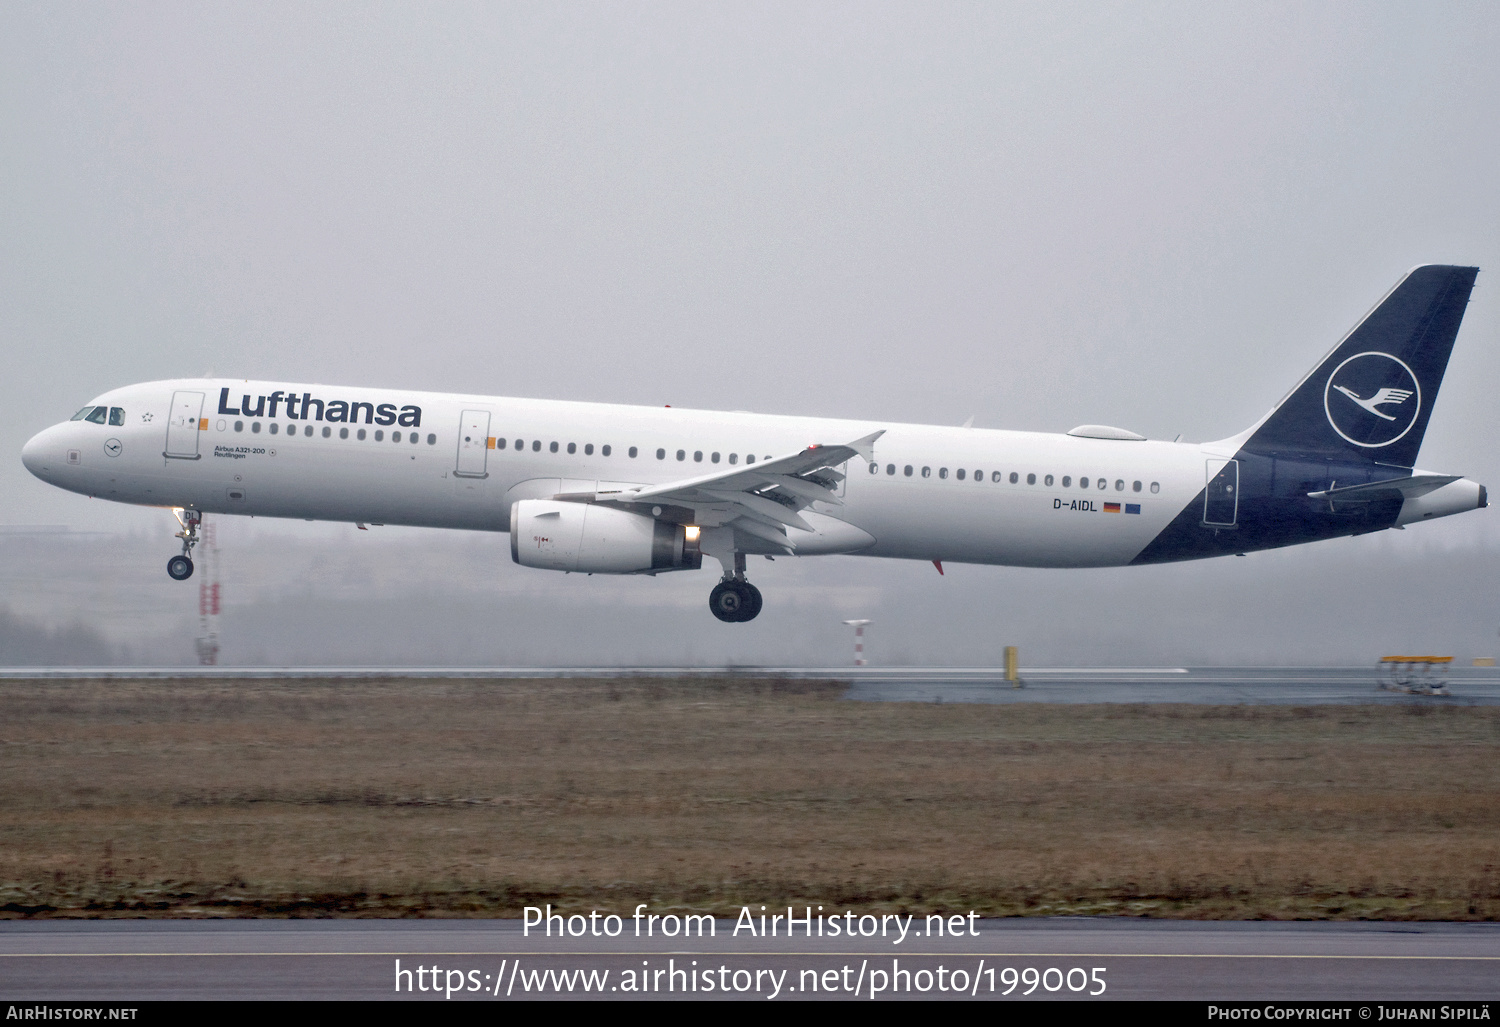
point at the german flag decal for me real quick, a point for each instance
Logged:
(1111, 507)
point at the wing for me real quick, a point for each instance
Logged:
(761, 500)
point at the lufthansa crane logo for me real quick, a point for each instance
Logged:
(1372, 399)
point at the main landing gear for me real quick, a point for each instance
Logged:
(734, 600)
(180, 568)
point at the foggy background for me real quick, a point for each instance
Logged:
(1151, 215)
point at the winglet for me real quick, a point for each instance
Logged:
(865, 447)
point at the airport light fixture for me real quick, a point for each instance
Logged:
(859, 640)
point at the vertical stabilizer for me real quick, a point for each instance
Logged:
(1370, 398)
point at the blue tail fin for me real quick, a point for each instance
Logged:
(1369, 399)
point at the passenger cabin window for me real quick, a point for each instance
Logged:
(750, 458)
(1103, 484)
(995, 476)
(588, 449)
(714, 458)
(734, 458)
(360, 435)
(431, 439)
(536, 445)
(927, 472)
(255, 429)
(698, 456)
(960, 473)
(499, 443)
(327, 431)
(552, 448)
(572, 448)
(240, 426)
(1067, 481)
(1135, 486)
(661, 454)
(1155, 487)
(1047, 480)
(379, 435)
(890, 468)
(1014, 477)
(1031, 479)
(682, 454)
(395, 436)
(605, 450)
(942, 472)
(343, 432)
(276, 427)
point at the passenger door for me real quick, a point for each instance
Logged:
(473, 444)
(1221, 496)
(184, 425)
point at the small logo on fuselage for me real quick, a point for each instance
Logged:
(1372, 399)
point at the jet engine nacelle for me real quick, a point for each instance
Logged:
(557, 536)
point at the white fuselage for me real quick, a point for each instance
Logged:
(972, 495)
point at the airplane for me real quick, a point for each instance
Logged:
(606, 489)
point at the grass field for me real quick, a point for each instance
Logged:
(457, 798)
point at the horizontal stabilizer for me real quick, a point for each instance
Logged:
(1408, 488)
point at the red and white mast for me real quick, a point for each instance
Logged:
(207, 643)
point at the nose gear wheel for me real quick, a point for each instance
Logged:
(180, 568)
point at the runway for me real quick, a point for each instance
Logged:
(493, 961)
(1470, 686)
(1299, 686)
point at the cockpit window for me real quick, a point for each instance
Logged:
(97, 415)
(82, 414)
(117, 415)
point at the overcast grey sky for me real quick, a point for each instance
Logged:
(1151, 215)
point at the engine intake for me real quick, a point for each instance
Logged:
(593, 539)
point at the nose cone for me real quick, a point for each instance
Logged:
(40, 454)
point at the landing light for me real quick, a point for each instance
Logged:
(692, 531)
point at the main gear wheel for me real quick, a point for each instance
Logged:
(735, 602)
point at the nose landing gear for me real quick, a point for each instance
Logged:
(180, 568)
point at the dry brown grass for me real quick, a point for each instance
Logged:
(384, 798)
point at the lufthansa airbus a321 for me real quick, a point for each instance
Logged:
(603, 489)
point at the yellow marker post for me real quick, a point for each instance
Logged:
(1013, 667)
